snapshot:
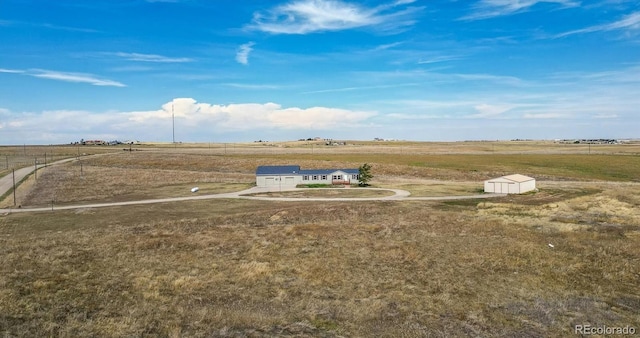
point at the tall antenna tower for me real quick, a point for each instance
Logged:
(173, 125)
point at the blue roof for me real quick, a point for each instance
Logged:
(328, 171)
(295, 169)
(277, 169)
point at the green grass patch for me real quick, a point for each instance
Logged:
(316, 185)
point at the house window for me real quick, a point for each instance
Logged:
(315, 177)
(305, 177)
(355, 177)
(337, 177)
(324, 177)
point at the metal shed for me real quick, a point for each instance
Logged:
(510, 184)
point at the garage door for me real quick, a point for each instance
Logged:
(288, 181)
(269, 181)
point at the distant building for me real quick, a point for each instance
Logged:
(93, 142)
(511, 184)
(292, 175)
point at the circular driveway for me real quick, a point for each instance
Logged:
(399, 195)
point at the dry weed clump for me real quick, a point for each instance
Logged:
(246, 268)
(600, 210)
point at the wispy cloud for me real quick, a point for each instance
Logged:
(251, 86)
(485, 9)
(404, 116)
(507, 80)
(309, 16)
(67, 28)
(545, 116)
(440, 58)
(388, 46)
(490, 110)
(13, 71)
(48, 26)
(242, 56)
(605, 116)
(630, 22)
(348, 89)
(150, 57)
(64, 76)
(73, 77)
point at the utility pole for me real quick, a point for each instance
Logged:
(173, 126)
(35, 167)
(14, 186)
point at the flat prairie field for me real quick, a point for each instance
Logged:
(532, 265)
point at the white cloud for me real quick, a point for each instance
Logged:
(506, 80)
(150, 58)
(404, 116)
(73, 77)
(488, 110)
(485, 9)
(242, 56)
(12, 71)
(440, 58)
(252, 86)
(348, 89)
(309, 16)
(629, 23)
(192, 119)
(249, 116)
(64, 76)
(605, 116)
(545, 116)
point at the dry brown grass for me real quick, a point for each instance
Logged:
(328, 193)
(235, 268)
(229, 268)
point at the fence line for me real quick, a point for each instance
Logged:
(9, 162)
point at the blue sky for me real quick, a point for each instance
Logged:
(439, 70)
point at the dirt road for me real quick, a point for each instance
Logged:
(6, 182)
(399, 195)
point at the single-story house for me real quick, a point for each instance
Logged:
(510, 184)
(292, 175)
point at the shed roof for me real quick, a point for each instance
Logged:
(514, 178)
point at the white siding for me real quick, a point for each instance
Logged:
(527, 186)
(278, 181)
(507, 185)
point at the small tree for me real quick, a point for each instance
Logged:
(364, 175)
